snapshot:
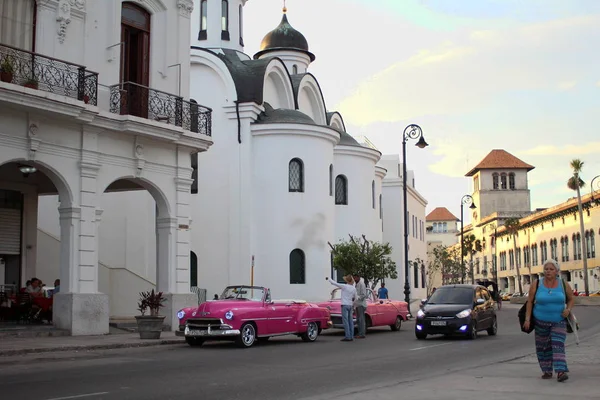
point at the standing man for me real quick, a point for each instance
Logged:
(382, 293)
(361, 305)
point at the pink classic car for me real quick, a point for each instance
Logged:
(247, 314)
(380, 312)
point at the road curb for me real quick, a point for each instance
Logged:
(106, 346)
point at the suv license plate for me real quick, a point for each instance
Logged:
(438, 323)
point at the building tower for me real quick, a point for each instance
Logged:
(288, 44)
(218, 24)
(500, 185)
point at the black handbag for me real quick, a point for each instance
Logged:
(523, 313)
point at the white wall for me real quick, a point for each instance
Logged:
(287, 220)
(358, 217)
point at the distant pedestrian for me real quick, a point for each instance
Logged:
(216, 297)
(348, 295)
(382, 293)
(360, 304)
(547, 303)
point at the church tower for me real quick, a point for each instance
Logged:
(218, 24)
(500, 185)
(289, 45)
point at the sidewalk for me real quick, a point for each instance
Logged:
(515, 380)
(10, 346)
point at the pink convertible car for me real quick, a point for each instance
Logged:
(247, 314)
(380, 312)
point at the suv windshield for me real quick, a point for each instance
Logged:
(452, 295)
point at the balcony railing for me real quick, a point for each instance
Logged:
(48, 74)
(130, 98)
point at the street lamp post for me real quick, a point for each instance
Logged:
(410, 132)
(466, 199)
(595, 186)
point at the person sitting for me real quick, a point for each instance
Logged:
(34, 288)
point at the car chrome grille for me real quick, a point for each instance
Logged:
(203, 323)
(336, 320)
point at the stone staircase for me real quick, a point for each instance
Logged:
(8, 330)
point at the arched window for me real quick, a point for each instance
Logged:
(579, 252)
(503, 181)
(511, 181)
(294, 69)
(495, 180)
(592, 246)
(331, 179)
(341, 190)
(373, 194)
(445, 227)
(193, 269)
(296, 175)
(415, 274)
(224, 19)
(380, 207)
(241, 24)
(297, 267)
(203, 20)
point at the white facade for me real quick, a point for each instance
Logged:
(88, 141)
(393, 228)
(251, 219)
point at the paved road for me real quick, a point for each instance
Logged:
(284, 368)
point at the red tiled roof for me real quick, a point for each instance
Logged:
(441, 214)
(500, 159)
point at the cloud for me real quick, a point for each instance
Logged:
(466, 74)
(567, 150)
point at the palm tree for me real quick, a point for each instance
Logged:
(576, 183)
(512, 227)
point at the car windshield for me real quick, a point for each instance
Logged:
(254, 293)
(451, 295)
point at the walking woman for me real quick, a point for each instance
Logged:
(547, 302)
(348, 296)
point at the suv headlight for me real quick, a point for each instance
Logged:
(229, 315)
(464, 313)
(420, 314)
(180, 314)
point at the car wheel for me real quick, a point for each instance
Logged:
(194, 341)
(472, 335)
(312, 332)
(247, 336)
(493, 330)
(397, 325)
(421, 335)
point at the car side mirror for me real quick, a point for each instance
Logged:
(423, 301)
(480, 301)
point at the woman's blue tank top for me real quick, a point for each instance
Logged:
(549, 303)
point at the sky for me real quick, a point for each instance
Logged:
(476, 75)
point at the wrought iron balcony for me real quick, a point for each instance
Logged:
(130, 98)
(48, 74)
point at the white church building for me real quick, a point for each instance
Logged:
(153, 165)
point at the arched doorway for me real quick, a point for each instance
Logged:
(23, 249)
(136, 243)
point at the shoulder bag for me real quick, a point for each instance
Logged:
(523, 313)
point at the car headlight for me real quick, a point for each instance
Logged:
(180, 314)
(229, 315)
(420, 314)
(464, 313)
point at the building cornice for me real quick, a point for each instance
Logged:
(299, 130)
(380, 172)
(357, 151)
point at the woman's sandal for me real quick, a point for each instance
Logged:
(562, 376)
(547, 375)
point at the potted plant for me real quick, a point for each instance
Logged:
(150, 326)
(7, 70)
(31, 83)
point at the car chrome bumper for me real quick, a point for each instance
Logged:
(336, 321)
(209, 332)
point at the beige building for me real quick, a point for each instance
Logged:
(441, 228)
(501, 192)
